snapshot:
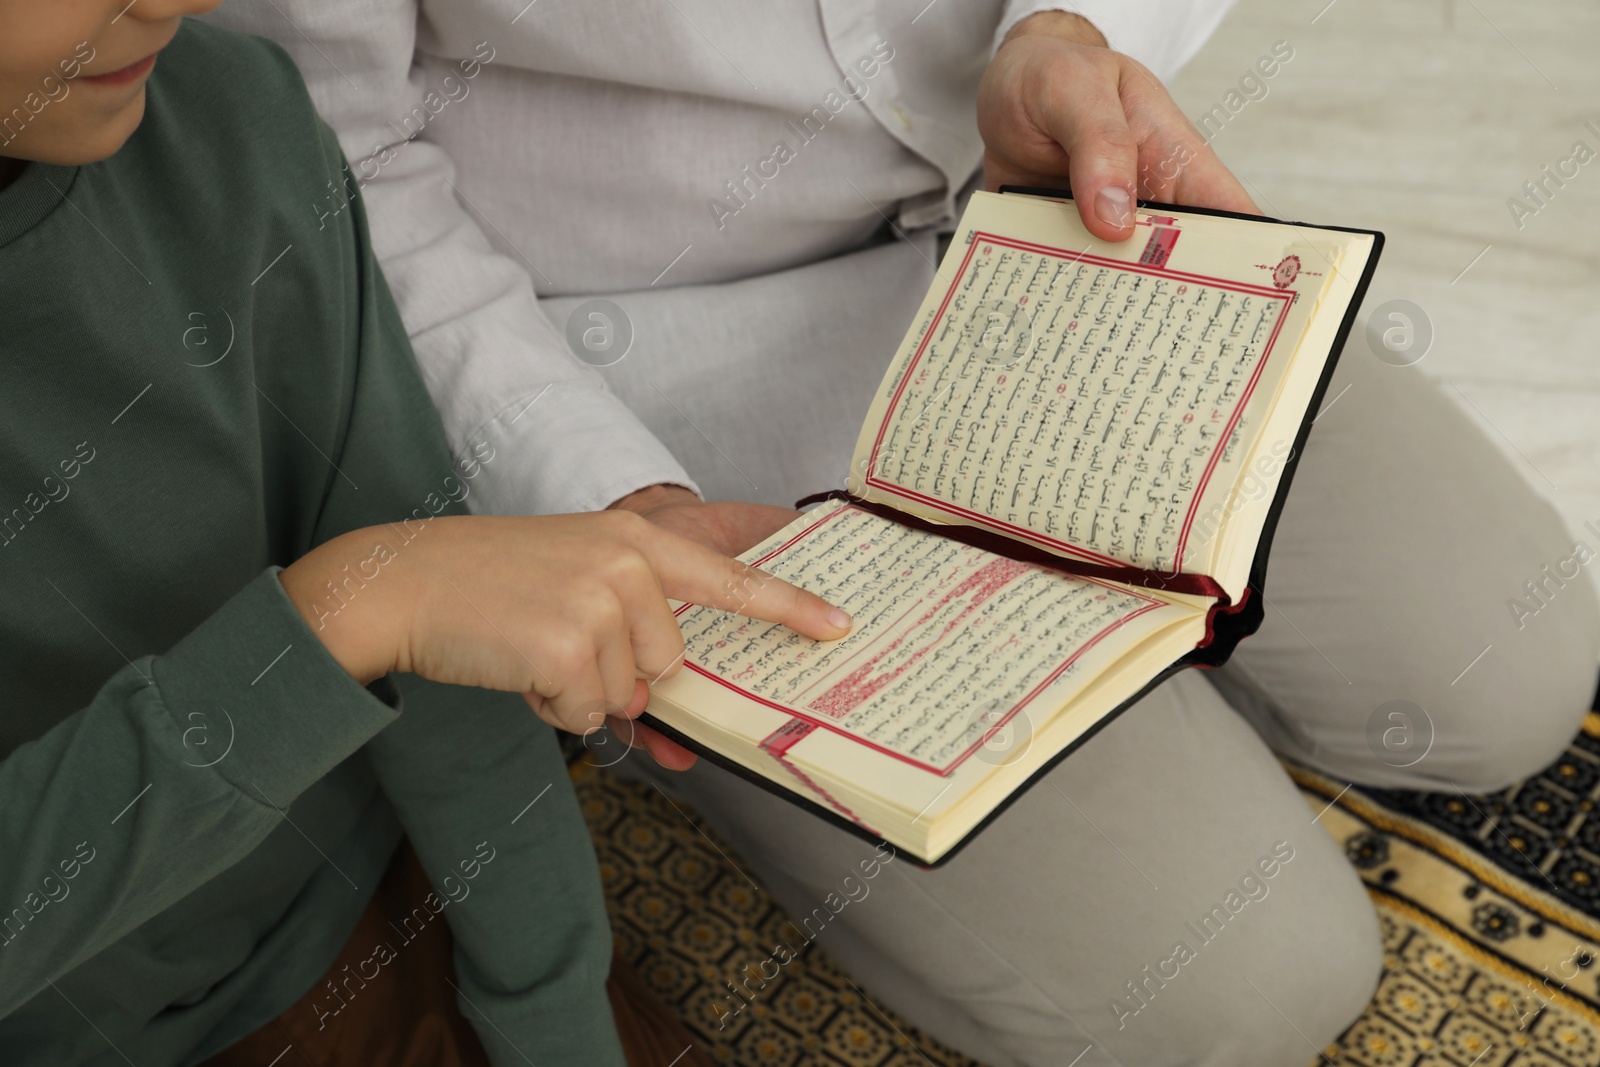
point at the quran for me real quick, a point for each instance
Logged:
(1064, 491)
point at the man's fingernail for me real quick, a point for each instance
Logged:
(839, 618)
(1112, 205)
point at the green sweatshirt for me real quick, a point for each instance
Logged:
(202, 376)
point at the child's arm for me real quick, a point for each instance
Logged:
(178, 768)
(135, 801)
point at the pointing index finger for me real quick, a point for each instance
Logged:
(694, 573)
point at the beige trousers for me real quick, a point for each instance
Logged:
(1404, 537)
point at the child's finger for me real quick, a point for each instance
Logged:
(574, 707)
(669, 754)
(691, 572)
(657, 641)
(618, 677)
(641, 698)
(635, 734)
(543, 712)
(766, 596)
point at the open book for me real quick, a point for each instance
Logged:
(1063, 492)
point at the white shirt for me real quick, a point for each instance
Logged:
(517, 159)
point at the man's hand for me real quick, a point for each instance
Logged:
(1055, 101)
(568, 610)
(726, 526)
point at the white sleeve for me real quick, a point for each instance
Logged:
(498, 371)
(1161, 34)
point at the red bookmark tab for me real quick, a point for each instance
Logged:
(777, 745)
(785, 737)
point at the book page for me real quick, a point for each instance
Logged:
(949, 641)
(1098, 400)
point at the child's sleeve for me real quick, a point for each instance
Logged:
(178, 768)
(486, 800)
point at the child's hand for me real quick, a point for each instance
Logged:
(569, 610)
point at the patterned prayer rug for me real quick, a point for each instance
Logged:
(1490, 908)
(692, 924)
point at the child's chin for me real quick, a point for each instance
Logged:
(101, 137)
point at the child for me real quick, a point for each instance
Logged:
(227, 518)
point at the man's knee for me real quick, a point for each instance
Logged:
(1313, 992)
(1529, 700)
(1341, 983)
(1299, 963)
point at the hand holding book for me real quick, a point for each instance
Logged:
(1058, 107)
